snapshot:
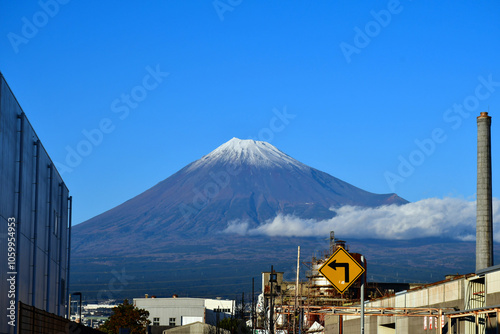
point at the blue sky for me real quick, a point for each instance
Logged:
(350, 88)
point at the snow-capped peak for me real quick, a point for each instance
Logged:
(252, 152)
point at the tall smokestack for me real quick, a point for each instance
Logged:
(484, 213)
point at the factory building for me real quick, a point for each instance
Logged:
(184, 311)
(34, 220)
(461, 304)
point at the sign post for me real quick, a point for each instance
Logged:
(363, 297)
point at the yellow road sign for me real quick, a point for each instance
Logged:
(341, 270)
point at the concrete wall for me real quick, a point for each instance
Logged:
(32, 194)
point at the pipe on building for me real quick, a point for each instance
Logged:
(36, 212)
(48, 228)
(484, 213)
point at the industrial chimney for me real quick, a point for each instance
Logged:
(484, 213)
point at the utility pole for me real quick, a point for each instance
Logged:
(271, 307)
(253, 306)
(243, 306)
(296, 292)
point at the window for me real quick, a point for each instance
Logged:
(171, 321)
(156, 321)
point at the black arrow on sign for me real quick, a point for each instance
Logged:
(334, 265)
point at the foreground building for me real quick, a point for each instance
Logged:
(462, 304)
(35, 210)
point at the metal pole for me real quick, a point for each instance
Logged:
(80, 312)
(296, 292)
(363, 297)
(253, 306)
(301, 320)
(69, 307)
(439, 325)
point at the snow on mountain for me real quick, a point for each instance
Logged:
(253, 153)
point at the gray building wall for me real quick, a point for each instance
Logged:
(33, 194)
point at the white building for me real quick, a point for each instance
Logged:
(184, 311)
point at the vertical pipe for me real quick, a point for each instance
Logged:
(70, 213)
(35, 220)
(19, 202)
(484, 213)
(48, 227)
(61, 304)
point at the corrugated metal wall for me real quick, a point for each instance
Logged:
(34, 195)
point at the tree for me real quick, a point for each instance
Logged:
(126, 316)
(235, 326)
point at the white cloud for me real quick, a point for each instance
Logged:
(449, 218)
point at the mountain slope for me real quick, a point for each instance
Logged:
(240, 180)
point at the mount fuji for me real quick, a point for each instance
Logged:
(240, 180)
(175, 227)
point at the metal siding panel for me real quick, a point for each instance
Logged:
(400, 300)
(27, 180)
(23, 270)
(436, 294)
(452, 291)
(8, 137)
(8, 127)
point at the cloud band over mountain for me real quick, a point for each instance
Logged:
(450, 218)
